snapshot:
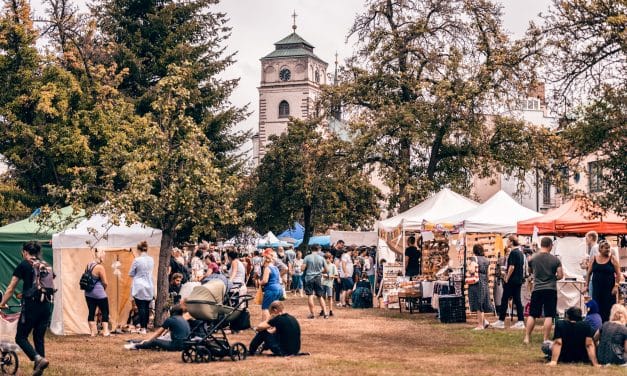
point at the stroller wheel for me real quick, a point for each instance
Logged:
(189, 355)
(9, 362)
(238, 351)
(203, 355)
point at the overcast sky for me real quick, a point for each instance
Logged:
(257, 24)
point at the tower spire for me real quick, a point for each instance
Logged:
(335, 74)
(294, 15)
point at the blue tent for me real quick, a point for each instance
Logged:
(322, 240)
(297, 232)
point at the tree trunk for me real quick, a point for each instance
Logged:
(307, 212)
(167, 240)
(405, 181)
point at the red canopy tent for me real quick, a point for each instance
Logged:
(574, 217)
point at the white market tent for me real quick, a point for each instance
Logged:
(367, 238)
(442, 204)
(74, 248)
(499, 214)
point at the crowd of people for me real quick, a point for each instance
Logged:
(340, 277)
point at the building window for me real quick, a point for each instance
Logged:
(595, 177)
(562, 187)
(546, 192)
(530, 104)
(284, 109)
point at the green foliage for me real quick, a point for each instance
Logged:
(423, 83)
(585, 48)
(306, 176)
(147, 37)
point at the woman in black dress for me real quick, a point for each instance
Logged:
(606, 276)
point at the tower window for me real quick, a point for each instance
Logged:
(284, 109)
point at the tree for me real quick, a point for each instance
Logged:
(146, 37)
(430, 88)
(305, 175)
(585, 50)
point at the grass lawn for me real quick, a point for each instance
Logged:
(354, 342)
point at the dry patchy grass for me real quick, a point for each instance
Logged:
(364, 342)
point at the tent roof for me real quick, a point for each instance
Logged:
(369, 238)
(296, 232)
(498, 214)
(29, 229)
(442, 204)
(574, 217)
(97, 231)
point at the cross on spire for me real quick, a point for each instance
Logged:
(294, 15)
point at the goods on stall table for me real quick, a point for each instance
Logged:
(391, 274)
(434, 256)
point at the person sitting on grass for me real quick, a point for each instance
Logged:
(179, 332)
(613, 338)
(593, 318)
(280, 334)
(362, 295)
(572, 341)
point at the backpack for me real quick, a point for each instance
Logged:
(88, 282)
(43, 282)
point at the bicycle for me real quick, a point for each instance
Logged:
(9, 362)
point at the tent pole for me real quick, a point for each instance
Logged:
(404, 246)
(464, 275)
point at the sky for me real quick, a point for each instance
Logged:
(258, 24)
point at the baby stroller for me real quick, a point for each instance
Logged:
(209, 304)
(9, 361)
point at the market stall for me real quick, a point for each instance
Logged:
(434, 245)
(568, 224)
(74, 248)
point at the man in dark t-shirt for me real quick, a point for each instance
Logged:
(280, 334)
(35, 314)
(179, 332)
(572, 340)
(512, 283)
(413, 258)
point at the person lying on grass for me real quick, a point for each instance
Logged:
(280, 334)
(179, 332)
(572, 341)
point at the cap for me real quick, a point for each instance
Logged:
(268, 252)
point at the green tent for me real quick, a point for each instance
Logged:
(14, 235)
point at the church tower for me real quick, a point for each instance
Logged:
(291, 77)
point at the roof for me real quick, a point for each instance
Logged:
(30, 229)
(575, 217)
(292, 45)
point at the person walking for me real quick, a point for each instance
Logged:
(328, 279)
(313, 267)
(479, 292)
(35, 314)
(297, 274)
(546, 269)
(606, 277)
(142, 288)
(512, 283)
(270, 283)
(97, 297)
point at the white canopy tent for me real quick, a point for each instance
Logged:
(442, 204)
(74, 248)
(367, 238)
(499, 214)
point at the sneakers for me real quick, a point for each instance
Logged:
(40, 365)
(519, 325)
(498, 324)
(486, 324)
(142, 331)
(321, 313)
(311, 316)
(130, 346)
(478, 328)
(326, 317)
(330, 313)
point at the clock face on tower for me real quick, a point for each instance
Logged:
(285, 74)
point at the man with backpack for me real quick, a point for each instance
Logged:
(37, 296)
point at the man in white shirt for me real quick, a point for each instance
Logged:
(346, 277)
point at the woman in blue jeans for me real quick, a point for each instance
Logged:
(270, 283)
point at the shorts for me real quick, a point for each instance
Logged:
(269, 297)
(346, 284)
(314, 286)
(546, 299)
(328, 291)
